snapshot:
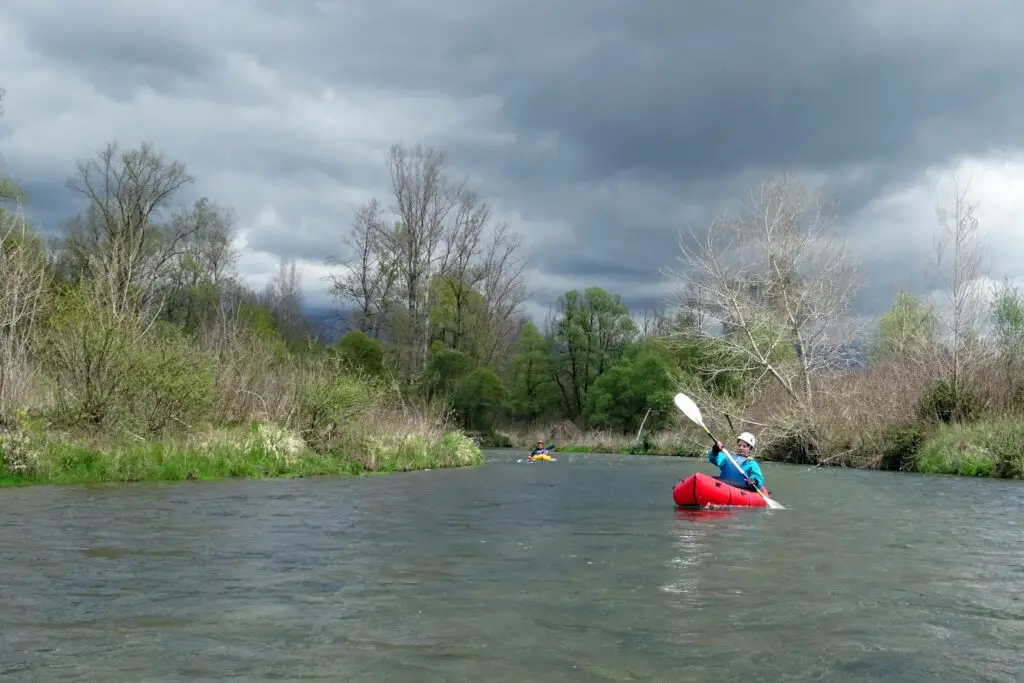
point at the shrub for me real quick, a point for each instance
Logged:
(981, 449)
(900, 445)
(938, 403)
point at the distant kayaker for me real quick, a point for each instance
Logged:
(539, 450)
(751, 476)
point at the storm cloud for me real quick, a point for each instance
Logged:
(597, 128)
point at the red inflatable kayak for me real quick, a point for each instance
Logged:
(701, 490)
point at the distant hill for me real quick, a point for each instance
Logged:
(329, 323)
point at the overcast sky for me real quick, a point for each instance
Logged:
(598, 128)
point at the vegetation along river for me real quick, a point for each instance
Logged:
(577, 570)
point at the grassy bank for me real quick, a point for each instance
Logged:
(262, 451)
(981, 449)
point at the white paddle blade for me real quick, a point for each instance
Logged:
(773, 504)
(689, 408)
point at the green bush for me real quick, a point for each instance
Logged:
(328, 399)
(900, 445)
(938, 403)
(113, 369)
(981, 449)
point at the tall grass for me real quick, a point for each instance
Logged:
(119, 397)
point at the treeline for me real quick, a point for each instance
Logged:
(762, 332)
(130, 348)
(133, 324)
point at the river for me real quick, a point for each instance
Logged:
(576, 570)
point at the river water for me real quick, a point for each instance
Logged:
(577, 570)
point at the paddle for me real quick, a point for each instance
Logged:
(690, 410)
(547, 451)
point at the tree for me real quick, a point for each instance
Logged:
(906, 333)
(423, 201)
(958, 260)
(1008, 311)
(198, 288)
(532, 388)
(778, 281)
(590, 333)
(115, 243)
(363, 352)
(442, 236)
(622, 396)
(368, 276)
(283, 297)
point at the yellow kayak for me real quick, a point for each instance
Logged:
(540, 456)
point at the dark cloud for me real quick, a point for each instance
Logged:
(603, 127)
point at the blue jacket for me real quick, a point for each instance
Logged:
(751, 470)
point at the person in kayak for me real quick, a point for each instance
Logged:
(750, 477)
(539, 450)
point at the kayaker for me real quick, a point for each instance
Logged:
(751, 476)
(539, 450)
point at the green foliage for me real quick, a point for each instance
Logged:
(901, 444)
(533, 392)
(171, 386)
(458, 318)
(445, 369)
(113, 369)
(475, 392)
(708, 361)
(939, 403)
(981, 449)
(591, 332)
(481, 398)
(621, 397)
(907, 328)
(329, 399)
(362, 352)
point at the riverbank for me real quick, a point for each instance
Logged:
(261, 451)
(992, 448)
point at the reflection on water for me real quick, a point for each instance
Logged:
(697, 515)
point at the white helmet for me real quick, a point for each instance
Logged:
(749, 438)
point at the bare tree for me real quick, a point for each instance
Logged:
(24, 281)
(959, 262)
(423, 201)
(504, 289)
(439, 256)
(208, 231)
(284, 297)
(9, 191)
(778, 282)
(195, 283)
(116, 243)
(459, 266)
(368, 276)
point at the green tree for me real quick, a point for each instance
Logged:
(533, 392)
(590, 333)
(362, 352)
(458, 318)
(1008, 311)
(622, 395)
(480, 398)
(906, 331)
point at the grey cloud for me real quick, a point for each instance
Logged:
(627, 121)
